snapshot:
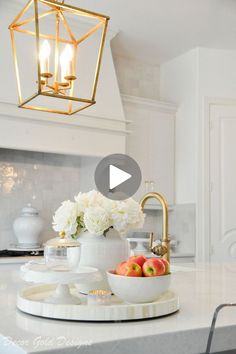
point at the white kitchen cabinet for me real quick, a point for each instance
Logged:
(151, 143)
(222, 162)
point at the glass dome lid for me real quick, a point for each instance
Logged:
(62, 254)
(61, 242)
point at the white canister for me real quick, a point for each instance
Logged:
(103, 253)
(28, 227)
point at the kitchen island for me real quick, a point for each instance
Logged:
(201, 290)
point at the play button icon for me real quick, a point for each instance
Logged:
(118, 176)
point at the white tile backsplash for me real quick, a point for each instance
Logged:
(181, 226)
(44, 180)
(136, 78)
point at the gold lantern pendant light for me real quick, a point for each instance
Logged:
(60, 70)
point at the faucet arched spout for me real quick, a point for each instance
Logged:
(164, 249)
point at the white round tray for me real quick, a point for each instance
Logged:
(32, 300)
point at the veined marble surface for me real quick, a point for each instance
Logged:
(185, 332)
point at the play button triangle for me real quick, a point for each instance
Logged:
(117, 176)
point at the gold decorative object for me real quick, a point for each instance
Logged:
(99, 297)
(61, 68)
(162, 250)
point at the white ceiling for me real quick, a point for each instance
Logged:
(154, 31)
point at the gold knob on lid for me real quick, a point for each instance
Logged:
(62, 235)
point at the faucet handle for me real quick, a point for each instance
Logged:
(159, 250)
(151, 238)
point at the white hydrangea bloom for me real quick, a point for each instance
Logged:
(127, 215)
(93, 212)
(97, 220)
(90, 199)
(65, 218)
(82, 202)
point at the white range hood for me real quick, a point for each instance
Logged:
(96, 131)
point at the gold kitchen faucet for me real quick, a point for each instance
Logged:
(162, 250)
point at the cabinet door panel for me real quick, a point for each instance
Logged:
(162, 154)
(223, 187)
(137, 143)
(151, 144)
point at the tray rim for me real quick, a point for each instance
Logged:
(111, 312)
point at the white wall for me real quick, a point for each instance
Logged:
(217, 73)
(189, 80)
(179, 83)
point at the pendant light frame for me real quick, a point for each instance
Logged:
(58, 90)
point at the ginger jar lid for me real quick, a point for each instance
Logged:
(29, 211)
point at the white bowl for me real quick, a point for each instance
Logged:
(136, 290)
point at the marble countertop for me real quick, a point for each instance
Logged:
(19, 259)
(24, 259)
(201, 289)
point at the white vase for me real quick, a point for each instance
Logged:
(27, 228)
(102, 252)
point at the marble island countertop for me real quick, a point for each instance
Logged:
(200, 289)
(24, 259)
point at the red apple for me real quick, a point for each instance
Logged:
(153, 267)
(133, 269)
(121, 268)
(166, 264)
(140, 260)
